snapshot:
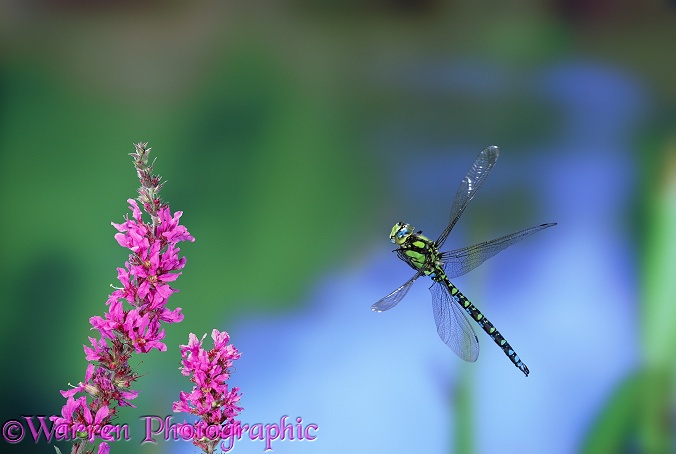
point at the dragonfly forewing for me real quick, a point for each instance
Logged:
(469, 185)
(461, 261)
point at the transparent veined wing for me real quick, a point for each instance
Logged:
(460, 261)
(452, 324)
(393, 298)
(469, 185)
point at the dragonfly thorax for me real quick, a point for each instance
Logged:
(416, 249)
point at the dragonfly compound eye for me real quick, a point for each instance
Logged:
(400, 232)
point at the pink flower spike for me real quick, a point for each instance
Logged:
(210, 398)
(153, 264)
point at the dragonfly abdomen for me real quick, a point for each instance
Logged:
(485, 324)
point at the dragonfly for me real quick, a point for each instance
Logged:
(448, 303)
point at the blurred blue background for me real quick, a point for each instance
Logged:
(293, 135)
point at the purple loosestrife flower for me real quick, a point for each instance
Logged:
(153, 263)
(210, 399)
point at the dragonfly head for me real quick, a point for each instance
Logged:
(400, 232)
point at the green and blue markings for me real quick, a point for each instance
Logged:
(423, 255)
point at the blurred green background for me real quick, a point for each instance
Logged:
(293, 134)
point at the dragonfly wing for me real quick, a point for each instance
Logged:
(452, 324)
(461, 261)
(469, 185)
(393, 298)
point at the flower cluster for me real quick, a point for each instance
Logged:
(152, 264)
(210, 398)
